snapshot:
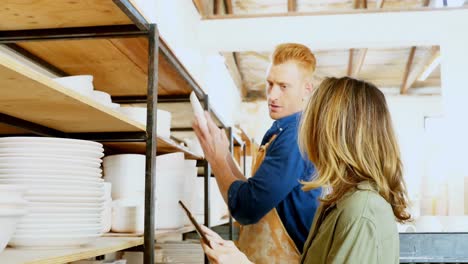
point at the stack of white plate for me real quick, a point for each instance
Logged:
(65, 192)
(12, 208)
(83, 84)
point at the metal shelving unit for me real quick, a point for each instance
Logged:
(119, 23)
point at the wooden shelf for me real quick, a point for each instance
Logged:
(159, 234)
(164, 146)
(101, 246)
(32, 96)
(119, 66)
(40, 14)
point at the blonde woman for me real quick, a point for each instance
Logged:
(346, 131)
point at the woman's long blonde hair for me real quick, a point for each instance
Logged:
(346, 131)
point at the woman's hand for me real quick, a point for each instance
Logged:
(221, 251)
(213, 140)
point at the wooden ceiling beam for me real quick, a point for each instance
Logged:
(356, 4)
(411, 75)
(354, 68)
(231, 61)
(228, 5)
(379, 4)
(206, 8)
(406, 84)
(356, 61)
(292, 6)
(350, 62)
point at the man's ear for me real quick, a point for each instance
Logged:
(309, 87)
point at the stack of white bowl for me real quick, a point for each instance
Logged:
(126, 172)
(172, 169)
(65, 192)
(83, 84)
(12, 209)
(195, 197)
(139, 114)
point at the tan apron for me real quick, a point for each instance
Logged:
(267, 241)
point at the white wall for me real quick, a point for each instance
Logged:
(178, 22)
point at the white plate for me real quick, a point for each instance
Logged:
(89, 205)
(53, 178)
(53, 230)
(61, 217)
(65, 198)
(91, 181)
(58, 241)
(64, 210)
(58, 226)
(50, 140)
(50, 156)
(35, 147)
(61, 221)
(62, 152)
(84, 172)
(54, 190)
(41, 162)
(52, 182)
(63, 193)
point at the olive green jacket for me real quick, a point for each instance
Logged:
(360, 228)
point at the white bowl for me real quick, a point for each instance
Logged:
(82, 84)
(139, 114)
(128, 216)
(194, 146)
(101, 97)
(170, 161)
(8, 222)
(114, 106)
(126, 172)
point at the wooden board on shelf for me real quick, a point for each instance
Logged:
(40, 14)
(11, 130)
(101, 246)
(164, 146)
(119, 66)
(32, 96)
(159, 234)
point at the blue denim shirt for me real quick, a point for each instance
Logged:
(276, 184)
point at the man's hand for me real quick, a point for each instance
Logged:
(213, 141)
(221, 251)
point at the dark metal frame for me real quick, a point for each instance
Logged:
(140, 28)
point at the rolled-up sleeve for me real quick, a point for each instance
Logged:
(280, 172)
